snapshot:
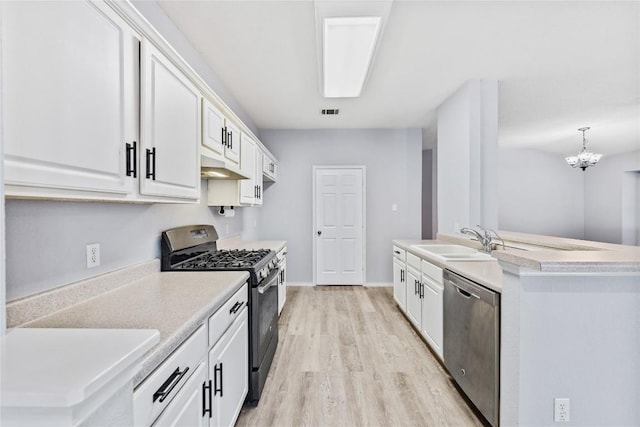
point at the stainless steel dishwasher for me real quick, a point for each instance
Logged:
(472, 342)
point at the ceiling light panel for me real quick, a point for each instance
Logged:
(349, 44)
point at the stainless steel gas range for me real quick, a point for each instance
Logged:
(194, 248)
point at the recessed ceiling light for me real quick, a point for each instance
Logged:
(348, 48)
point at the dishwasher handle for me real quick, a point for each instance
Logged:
(466, 294)
(468, 289)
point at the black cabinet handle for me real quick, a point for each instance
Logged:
(167, 387)
(401, 276)
(206, 386)
(236, 307)
(217, 389)
(224, 139)
(421, 290)
(132, 159)
(396, 252)
(230, 142)
(151, 163)
(415, 287)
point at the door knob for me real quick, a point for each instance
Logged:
(319, 233)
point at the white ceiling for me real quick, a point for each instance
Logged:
(561, 65)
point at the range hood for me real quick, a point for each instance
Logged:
(211, 168)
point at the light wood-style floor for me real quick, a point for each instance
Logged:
(347, 357)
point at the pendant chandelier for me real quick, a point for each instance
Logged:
(584, 158)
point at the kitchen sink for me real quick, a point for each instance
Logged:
(453, 252)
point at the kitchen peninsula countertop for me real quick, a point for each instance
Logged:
(174, 303)
(558, 254)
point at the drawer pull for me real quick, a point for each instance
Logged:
(236, 307)
(396, 252)
(167, 387)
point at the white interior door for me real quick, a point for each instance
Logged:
(339, 225)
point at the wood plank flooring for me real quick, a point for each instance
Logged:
(347, 357)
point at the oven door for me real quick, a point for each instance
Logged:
(264, 322)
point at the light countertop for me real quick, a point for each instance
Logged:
(174, 303)
(63, 367)
(548, 254)
(486, 273)
(558, 254)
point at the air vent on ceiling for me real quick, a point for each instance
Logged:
(330, 111)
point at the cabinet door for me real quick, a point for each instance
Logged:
(414, 306)
(259, 180)
(170, 128)
(248, 166)
(69, 73)
(213, 131)
(229, 373)
(282, 286)
(186, 408)
(432, 314)
(399, 284)
(233, 146)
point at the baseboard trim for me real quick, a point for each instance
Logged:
(299, 284)
(378, 285)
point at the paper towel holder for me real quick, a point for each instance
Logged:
(221, 211)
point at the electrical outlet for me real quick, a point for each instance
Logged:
(93, 255)
(394, 208)
(561, 412)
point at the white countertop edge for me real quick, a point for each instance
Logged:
(66, 386)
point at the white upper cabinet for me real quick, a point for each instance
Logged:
(248, 166)
(213, 131)
(258, 181)
(219, 134)
(170, 131)
(69, 79)
(232, 146)
(269, 168)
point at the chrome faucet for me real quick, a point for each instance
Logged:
(484, 237)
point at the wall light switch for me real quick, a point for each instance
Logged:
(394, 207)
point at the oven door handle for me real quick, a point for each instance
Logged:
(271, 279)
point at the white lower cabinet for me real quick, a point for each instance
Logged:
(186, 408)
(418, 290)
(432, 313)
(282, 279)
(205, 381)
(229, 374)
(414, 302)
(399, 284)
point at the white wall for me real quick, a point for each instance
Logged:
(393, 162)
(156, 16)
(540, 194)
(604, 190)
(467, 157)
(46, 240)
(570, 335)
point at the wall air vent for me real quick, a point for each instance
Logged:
(330, 111)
